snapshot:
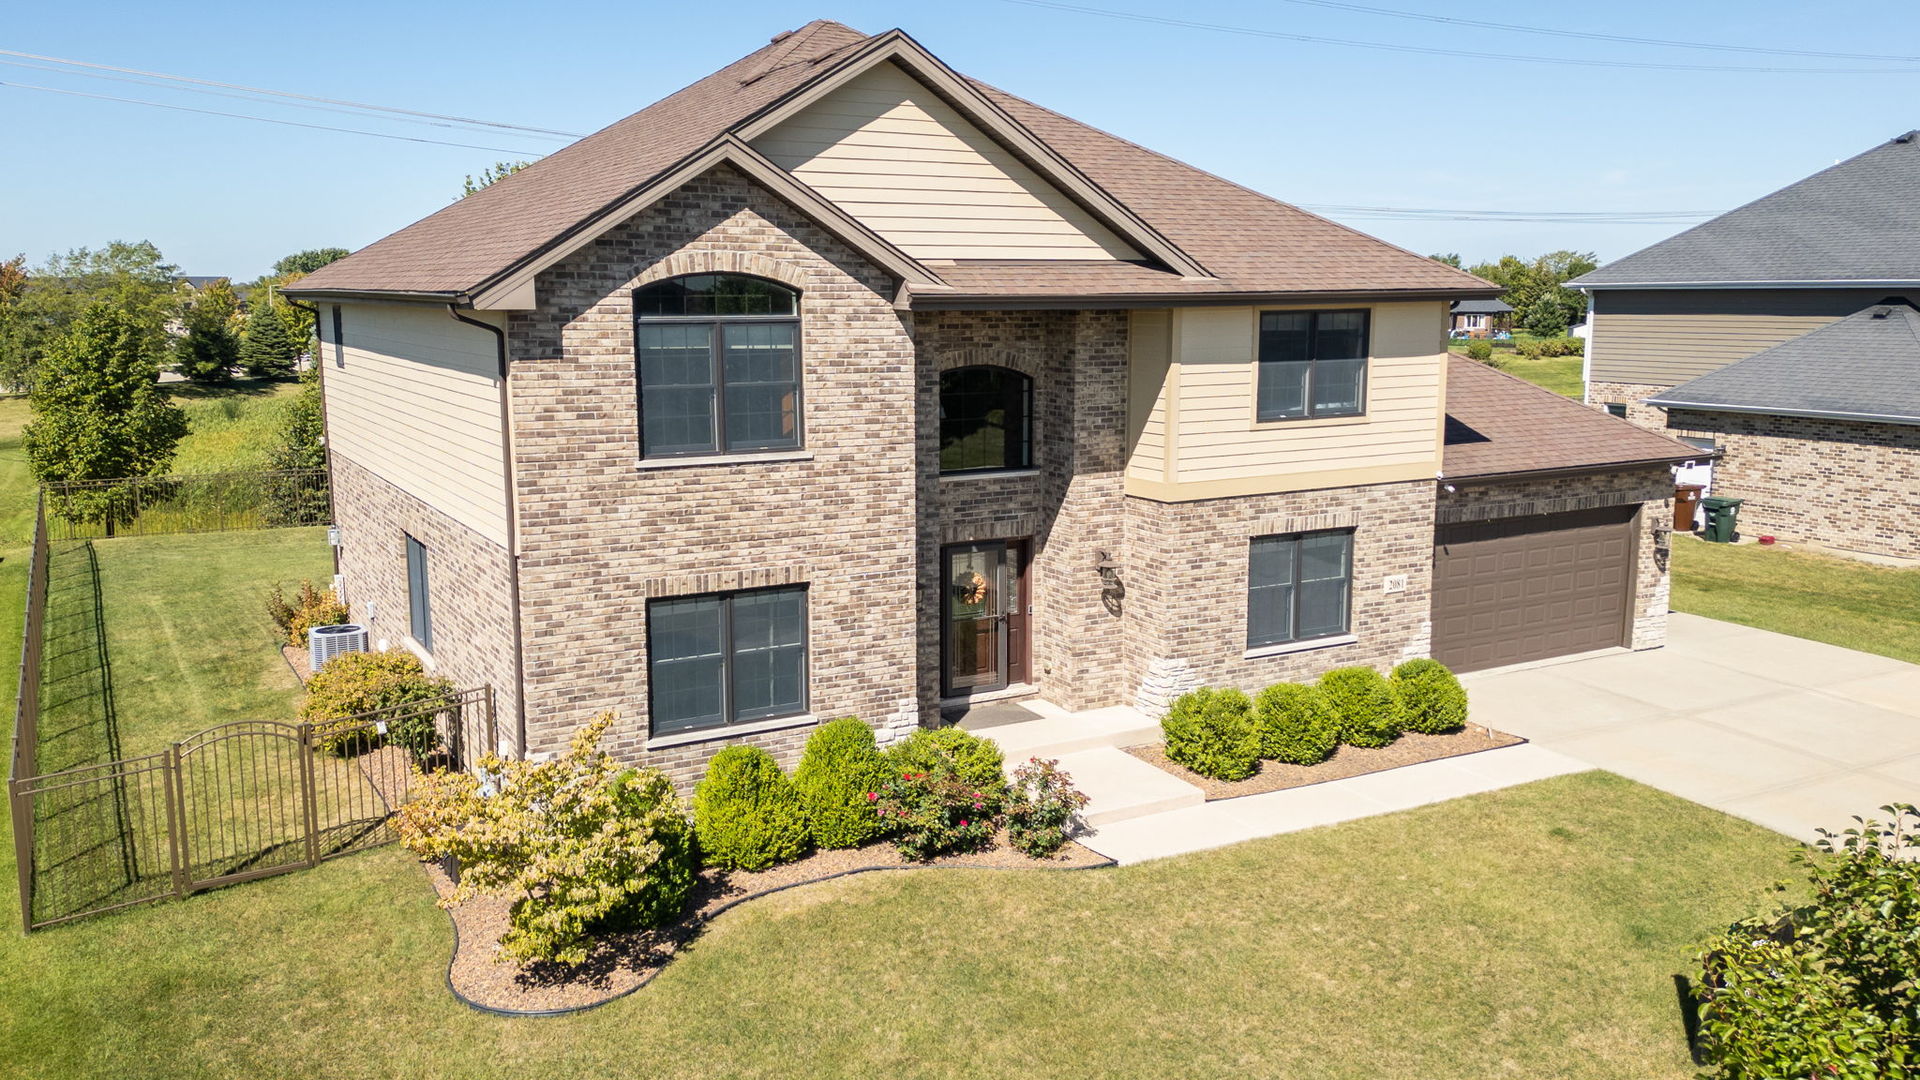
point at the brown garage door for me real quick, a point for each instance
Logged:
(1520, 589)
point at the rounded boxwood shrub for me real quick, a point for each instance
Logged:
(1366, 711)
(1432, 700)
(746, 813)
(837, 777)
(970, 758)
(1211, 731)
(355, 683)
(1296, 724)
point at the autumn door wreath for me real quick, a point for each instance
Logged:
(972, 588)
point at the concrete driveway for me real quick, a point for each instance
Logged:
(1789, 733)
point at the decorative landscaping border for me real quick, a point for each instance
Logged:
(1252, 787)
(693, 924)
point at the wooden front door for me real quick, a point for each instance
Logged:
(984, 609)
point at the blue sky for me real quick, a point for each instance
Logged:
(1308, 123)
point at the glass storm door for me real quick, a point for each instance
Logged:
(979, 586)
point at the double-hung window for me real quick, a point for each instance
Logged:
(718, 358)
(1299, 587)
(419, 607)
(727, 658)
(1312, 364)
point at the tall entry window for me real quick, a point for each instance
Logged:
(719, 365)
(986, 420)
(727, 658)
(419, 605)
(1299, 587)
(1312, 363)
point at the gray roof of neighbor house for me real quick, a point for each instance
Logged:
(1500, 425)
(1864, 367)
(1246, 242)
(1857, 222)
(1481, 307)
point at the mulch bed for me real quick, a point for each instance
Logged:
(619, 964)
(297, 659)
(1409, 749)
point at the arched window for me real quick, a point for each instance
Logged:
(986, 419)
(719, 365)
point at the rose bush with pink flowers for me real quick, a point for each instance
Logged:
(929, 814)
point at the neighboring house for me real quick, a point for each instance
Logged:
(1777, 333)
(838, 383)
(1479, 318)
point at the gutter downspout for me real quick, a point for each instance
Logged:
(513, 532)
(326, 429)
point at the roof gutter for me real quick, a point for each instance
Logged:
(513, 532)
(1767, 410)
(954, 301)
(379, 296)
(1577, 470)
(1833, 283)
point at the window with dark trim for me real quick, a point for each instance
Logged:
(1299, 587)
(1312, 363)
(1698, 442)
(726, 658)
(339, 340)
(986, 419)
(718, 359)
(1617, 408)
(419, 606)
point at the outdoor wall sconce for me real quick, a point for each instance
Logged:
(1662, 544)
(1112, 589)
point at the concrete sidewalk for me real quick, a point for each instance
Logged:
(1229, 821)
(1785, 732)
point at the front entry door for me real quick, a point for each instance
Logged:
(983, 601)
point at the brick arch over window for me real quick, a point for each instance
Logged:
(986, 418)
(708, 261)
(1028, 363)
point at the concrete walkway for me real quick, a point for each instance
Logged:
(1792, 734)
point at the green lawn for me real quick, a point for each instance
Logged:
(1528, 932)
(1560, 374)
(232, 428)
(1843, 602)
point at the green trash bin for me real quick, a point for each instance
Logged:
(1723, 519)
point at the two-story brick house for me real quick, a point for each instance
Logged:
(838, 383)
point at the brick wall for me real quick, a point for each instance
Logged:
(1186, 580)
(600, 534)
(1650, 486)
(1834, 483)
(468, 583)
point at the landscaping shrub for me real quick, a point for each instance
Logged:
(1041, 803)
(1480, 349)
(1366, 712)
(310, 607)
(355, 683)
(932, 814)
(1296, 724)
(746, 812)
(582, 843)
(839, 771)
(1211, 731)
(1432, 701)
(976, 761)
(1827, 988)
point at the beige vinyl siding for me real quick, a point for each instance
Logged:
(413, 398)
(1150, 346)
(905, 163)
(1218, 444)
(1664, 337)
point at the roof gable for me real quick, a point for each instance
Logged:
(1855, 223)
(1864, 367)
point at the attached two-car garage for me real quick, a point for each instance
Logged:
(1527, 588)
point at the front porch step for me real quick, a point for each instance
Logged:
(1120, 786)
(1057, 732)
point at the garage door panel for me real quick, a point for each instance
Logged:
(1529, 588)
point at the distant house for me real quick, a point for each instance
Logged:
(1783, 334)
(1478, 318)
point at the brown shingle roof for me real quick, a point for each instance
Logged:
(1249, 242)
(1499, 425)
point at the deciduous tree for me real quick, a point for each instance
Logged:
(491, 175)
(210, 347)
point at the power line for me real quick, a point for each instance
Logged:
(1515, 28)
(262, 119)
(156, 85)
(289, 94)
(1352, 43)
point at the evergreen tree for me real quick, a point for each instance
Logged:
(209, 348)
(267, 351)
(98, 412)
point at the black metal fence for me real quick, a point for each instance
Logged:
(234, 802)
(188, 503)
